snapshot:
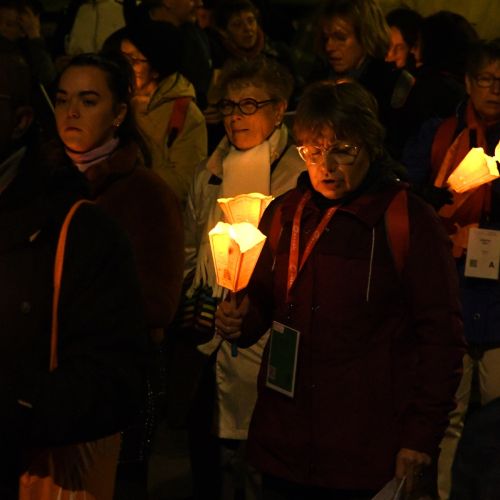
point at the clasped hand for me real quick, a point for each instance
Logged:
(409, 464)
(229, 317)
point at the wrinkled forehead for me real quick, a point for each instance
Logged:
(490, 66)
(341, 24)
(320, 134)
(241, 15)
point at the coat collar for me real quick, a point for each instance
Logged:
(368, 207)
(120, 164)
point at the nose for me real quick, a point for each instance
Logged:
(73, 111)
(330, 44)
(329, 164)
(391, 55)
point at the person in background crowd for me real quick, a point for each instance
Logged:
(404, 50)
(195, 56)
(237, 34)
(439, 80)
(377, 334)
(477, 463)
(255, 156)
(20, 31)
(163, 96)
(96, 389)
(354, 39)
(94, 21)
(476, 124)
(95, 124)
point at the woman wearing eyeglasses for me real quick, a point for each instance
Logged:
(366, 338)
(256, 155)
(476, 124)
(164, 102)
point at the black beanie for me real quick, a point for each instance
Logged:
(161, 44)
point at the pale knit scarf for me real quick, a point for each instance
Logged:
(83, 161)
(205, 272)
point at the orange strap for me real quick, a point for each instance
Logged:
(58, 269)
(398, 228)
(177, 118)
(293, 261)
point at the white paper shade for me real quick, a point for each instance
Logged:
(245, 207)
(475, 169)
(235, 251)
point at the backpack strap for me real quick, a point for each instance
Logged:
(177, 118)
(58, 270)
(398, 229)
(397, 225)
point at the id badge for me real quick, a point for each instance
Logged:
(282, 361)
(483, 254)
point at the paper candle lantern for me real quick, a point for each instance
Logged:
(475, 169)
(245, 207)
(235, 250)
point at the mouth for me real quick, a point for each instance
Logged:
(330, 182)
(72, 129)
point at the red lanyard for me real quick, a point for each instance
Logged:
(293, 261)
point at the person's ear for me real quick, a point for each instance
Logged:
(280, 109)
(468, 84)
(121, 113)
(23, 118)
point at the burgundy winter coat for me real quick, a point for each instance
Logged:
(379, 354)
(148, 211)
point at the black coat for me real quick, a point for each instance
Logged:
(97, 387)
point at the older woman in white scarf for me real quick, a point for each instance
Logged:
(256, 155)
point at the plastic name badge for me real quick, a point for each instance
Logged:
(282, 361)
(483, 254)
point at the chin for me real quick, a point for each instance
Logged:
(77, 147)
(244, 144)
(330, 195)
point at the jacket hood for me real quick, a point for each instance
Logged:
(170, 88)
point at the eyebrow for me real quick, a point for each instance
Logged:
(82, 93)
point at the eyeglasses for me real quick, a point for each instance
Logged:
(485, 81)
(246, 106)
(134, 60)
(342, 154)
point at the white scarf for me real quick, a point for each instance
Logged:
(246, 171)
(241, 182)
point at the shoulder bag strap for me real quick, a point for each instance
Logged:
(58, 269)
(398, 228)
(177, 118)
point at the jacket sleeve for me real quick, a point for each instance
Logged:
(97, 387)
(158, 250)
(431, 282)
